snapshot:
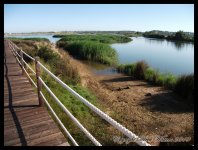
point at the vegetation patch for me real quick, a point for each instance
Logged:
(102, 38)
(92, 47)
(178, 36)
(90, 50)
(183, 85)
(61, 66)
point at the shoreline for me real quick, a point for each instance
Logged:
(120, 95)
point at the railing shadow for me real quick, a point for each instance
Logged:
(10, 106)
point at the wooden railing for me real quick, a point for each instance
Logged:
(19, 54)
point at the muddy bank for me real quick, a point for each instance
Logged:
(148, 111)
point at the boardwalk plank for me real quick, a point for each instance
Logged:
(25, 123)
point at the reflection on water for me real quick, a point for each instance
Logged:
(177, 44)
(182, 45)
(107, 71)
(98, 68)
(166, 56)
(154, 41)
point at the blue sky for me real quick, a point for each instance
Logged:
(103, 17)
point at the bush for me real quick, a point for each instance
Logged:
(170, 81)
(181, 36)
(64, 69)
(151, 76)
(127, 69)
(47, 54)
(140, 70)
(185, 87)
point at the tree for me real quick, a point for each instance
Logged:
(180, 35)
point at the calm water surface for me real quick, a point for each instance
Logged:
(48, 36)
(166, 56)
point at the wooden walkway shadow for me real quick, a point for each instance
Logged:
(25, 123)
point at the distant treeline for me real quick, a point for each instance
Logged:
(178, 36)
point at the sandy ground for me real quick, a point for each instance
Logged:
(148, 111)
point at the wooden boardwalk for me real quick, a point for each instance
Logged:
(25, 123)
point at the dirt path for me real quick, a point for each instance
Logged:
(148, 111)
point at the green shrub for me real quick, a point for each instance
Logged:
(127, 69)
(151, 75)
(160, 80)
(64, 70)
(185, 87)
(170, 81)
(47, 54)
(140, 70)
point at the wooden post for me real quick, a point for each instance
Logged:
(39, 85)
(22, 63)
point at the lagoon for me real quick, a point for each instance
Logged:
(48, 36)
(166, 56)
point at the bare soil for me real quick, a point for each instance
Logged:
(148, 111)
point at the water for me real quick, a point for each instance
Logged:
(166, 56)
(48, 36)
(163, 55)
(99, 69)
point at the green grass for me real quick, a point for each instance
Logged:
(92, 47)
(92, 122)
(102, 38)
(142, 71)
(183, 85)
(127, 69)
(90, 50)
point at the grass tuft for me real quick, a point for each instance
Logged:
(183, 86)
(90, 50)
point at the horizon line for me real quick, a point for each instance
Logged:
(93, 31)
